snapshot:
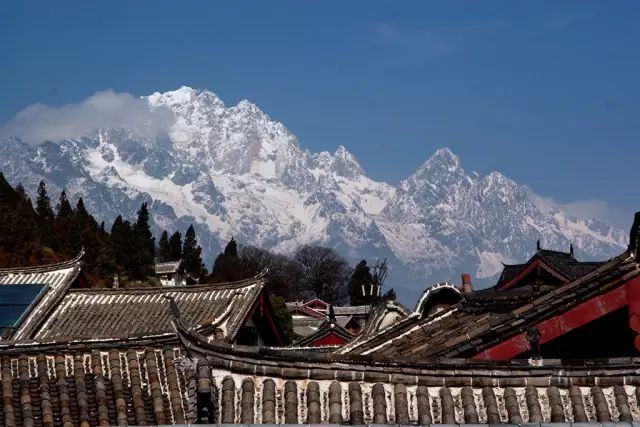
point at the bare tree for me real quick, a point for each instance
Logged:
(380, 273)
(283, 273)
(324, 272)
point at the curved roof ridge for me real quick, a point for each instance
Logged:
(553, 251)
(424, 298)
(44, 267)
(252, 357)
(256, 280)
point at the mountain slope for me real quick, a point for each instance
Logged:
(235, 172)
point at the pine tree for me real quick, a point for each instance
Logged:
(228, 267)
(90, 238)
(164, 251)
(192, 254)
(144, 243)
(106, 266)
(121, 239)
(19, 243)
(175, 246)
(45, 214)
(231, 250)
(67, 239)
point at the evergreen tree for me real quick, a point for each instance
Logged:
(22, 194)
(19, 243)
(106, 266)
(45, 214)
(67, 240)
(121, 239)
(283, 316)
(228, 267)
(231, 250)
(192, 254)
(100, 269)
(144, 243)
(175, 246)
(164, 250)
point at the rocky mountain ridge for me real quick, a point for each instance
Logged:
(235, 172)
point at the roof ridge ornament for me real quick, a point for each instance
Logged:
(533, 336)
(633, 235)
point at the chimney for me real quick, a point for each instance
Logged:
(467, 287)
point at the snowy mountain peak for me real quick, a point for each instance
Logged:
(235, 171)
(345, 163)
(443, 158)
(440, 179)
(247, 106)
(186, 102)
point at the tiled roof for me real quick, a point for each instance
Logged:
(352, 310)
(469, 328)
(379, 313)
(302, 308)
(106, 313)
(304, 327)
(58, 278)
(326, 328)
(167, 267)
(134, 386)
(272, 386)
(562, 262)
(193, 380)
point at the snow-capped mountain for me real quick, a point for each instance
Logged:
(233, 171)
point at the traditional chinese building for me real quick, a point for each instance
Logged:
(592, 316)
(545, 269)
(538, 355)
(310, 317)
(55, 304)
(27, 293)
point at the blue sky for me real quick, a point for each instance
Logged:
(546, 92)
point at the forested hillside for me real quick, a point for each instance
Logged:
(50, 231)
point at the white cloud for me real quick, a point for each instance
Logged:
(586, 209)
(107, 109)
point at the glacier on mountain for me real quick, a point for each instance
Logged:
(232, 171)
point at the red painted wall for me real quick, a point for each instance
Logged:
(569, 320)
(328, 340)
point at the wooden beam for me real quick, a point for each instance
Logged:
(528, 269)
(574, 318)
